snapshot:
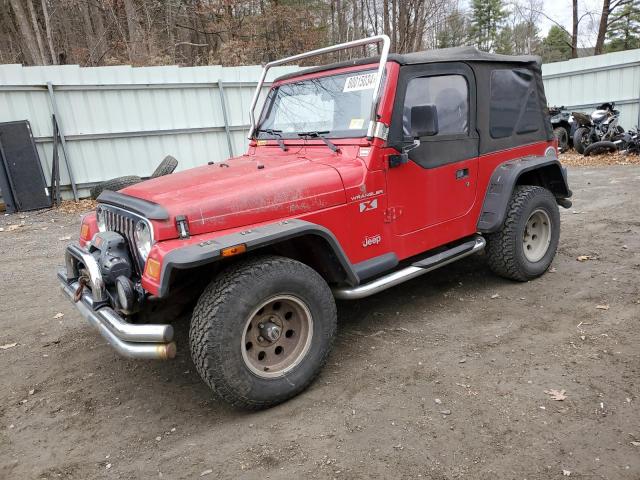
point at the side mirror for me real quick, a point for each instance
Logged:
(424, 121)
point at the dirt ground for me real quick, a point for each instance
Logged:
(443, 377)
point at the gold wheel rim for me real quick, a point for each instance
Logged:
(277, 336)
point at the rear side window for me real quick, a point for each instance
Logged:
(450, 95)
(514, 106)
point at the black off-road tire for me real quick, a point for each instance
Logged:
(114, 185)
(579, 143)
(598, 148)
(167, 166)
(505, 248)
(562, 135)
(219, 322)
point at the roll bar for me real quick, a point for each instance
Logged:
(320, 51)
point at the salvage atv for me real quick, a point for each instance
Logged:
(601, 125)
(563, 126)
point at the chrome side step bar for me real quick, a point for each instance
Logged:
(415, 270)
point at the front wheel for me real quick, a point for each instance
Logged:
(528, 241)
(581, 139)
(262, 331)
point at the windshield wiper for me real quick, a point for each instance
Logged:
(275, 133)
(316, 134)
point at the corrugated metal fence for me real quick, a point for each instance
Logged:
(584, 83)
(123, 121)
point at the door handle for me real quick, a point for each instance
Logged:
(462, 173)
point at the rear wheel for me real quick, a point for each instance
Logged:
(262, 331)
(528, 241)
(562, 135)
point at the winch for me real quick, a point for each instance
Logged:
(110, 251)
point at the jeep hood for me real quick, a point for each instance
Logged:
(242, 191)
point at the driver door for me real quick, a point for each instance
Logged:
(438, 184)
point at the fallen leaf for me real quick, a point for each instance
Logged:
(584, 258)
(58, 315)
(7, 346)
(557, 395)
(602, 307)
(13, 227)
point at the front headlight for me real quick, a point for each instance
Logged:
(100, 217)
(143, 239)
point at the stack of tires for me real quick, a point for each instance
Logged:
(167, 166)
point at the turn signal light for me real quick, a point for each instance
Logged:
(152, 269)
(85, 232)
(235, 250)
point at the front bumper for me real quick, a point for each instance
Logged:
(150, 341)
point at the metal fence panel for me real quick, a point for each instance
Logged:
(583, 83)
(123, 120)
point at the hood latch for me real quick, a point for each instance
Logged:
(183, 226)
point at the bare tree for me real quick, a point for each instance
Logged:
(25, 30)
(574, 30)
(608, 7)
(47, 28)
(36, 31)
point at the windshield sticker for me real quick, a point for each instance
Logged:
(356, 123)
(360, 82)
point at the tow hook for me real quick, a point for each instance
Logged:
(82, 282)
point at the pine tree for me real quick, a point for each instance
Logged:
(486, 18)
(525, 39)
(624, 29)
(504, 41)
(556, 46)
(454, 31)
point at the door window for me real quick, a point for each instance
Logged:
(449, 94)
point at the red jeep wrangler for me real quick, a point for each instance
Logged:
(359, 175)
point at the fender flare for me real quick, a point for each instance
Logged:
(504, 180)
(209, 251)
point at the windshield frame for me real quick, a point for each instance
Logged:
(382, 63)
(289, 136)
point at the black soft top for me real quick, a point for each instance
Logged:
(453, 54)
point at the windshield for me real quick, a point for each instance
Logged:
(338, 106)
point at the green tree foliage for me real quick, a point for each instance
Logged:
(454, 31)
(487, 17)
(525, 39)
(624, 29)
(504, 41)
(556, 46)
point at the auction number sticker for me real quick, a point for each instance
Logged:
(360, 82)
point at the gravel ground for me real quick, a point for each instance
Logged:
(442, 377)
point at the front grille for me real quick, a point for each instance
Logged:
(119, 221)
